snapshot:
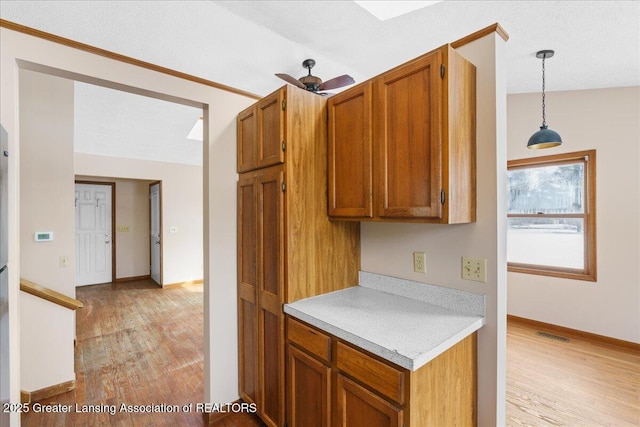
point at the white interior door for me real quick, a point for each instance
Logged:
(155, 234)
(93, 234)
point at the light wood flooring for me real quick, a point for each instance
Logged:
(581, 383)
(140, 344)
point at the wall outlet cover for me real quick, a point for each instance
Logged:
(474, 269)
(419, 262)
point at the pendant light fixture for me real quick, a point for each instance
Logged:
(545, 137)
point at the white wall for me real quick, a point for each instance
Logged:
(607, 120)
(46, 204)
(132, 211)
(388, 248)
(181, 208)
(220, 109)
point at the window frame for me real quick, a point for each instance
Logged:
(588, 158)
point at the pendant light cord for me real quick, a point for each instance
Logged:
(544, 114)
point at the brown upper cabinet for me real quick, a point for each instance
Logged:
(402, 145)
(350, 153)
(261, 133)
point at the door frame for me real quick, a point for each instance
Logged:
(113, 219)
(151, 184)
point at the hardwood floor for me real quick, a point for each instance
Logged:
(139, 345)
(579, 383)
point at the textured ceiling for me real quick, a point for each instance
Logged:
(243, 43)
(113, 123)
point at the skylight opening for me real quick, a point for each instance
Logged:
(196, 131)
(384, 10)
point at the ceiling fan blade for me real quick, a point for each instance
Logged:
(287, 78)
(337, 82)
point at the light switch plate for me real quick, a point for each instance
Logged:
(474, 269)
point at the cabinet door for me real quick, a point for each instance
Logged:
(247, 140)
(408, 138)
(358, 407)
(247, 279)
(271, 128)
(350, 153)
(270, 297)
(308, 390)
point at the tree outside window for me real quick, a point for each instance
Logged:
(551, 215)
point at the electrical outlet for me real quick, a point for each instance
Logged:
(419, 262)
(64, 261)
(474, 269)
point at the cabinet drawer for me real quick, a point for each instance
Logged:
(379, 376)
(309, 338)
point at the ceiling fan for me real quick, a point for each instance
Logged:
(314, 84)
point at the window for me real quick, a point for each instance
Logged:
(551, 215)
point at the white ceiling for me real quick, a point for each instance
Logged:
(243, 43)
(108, 122)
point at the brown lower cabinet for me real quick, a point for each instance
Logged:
(357, 406)
(333, 383)
(310, 390)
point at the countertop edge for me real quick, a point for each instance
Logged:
(447, 344)
(385, 353)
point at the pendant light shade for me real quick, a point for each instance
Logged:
(545, 137)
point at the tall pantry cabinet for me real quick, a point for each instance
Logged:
(287, 247)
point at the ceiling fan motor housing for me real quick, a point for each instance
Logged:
(311, 82)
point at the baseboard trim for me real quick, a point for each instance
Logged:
(575, 332)
(214, 417)
(132, 278)
(47, 392)
(179, 284)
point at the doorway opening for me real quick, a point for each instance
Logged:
(155, 231)
(67, 176)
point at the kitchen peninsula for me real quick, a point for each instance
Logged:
(392, 350)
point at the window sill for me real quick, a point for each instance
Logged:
(547, 271)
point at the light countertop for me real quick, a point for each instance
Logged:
(407, 331)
